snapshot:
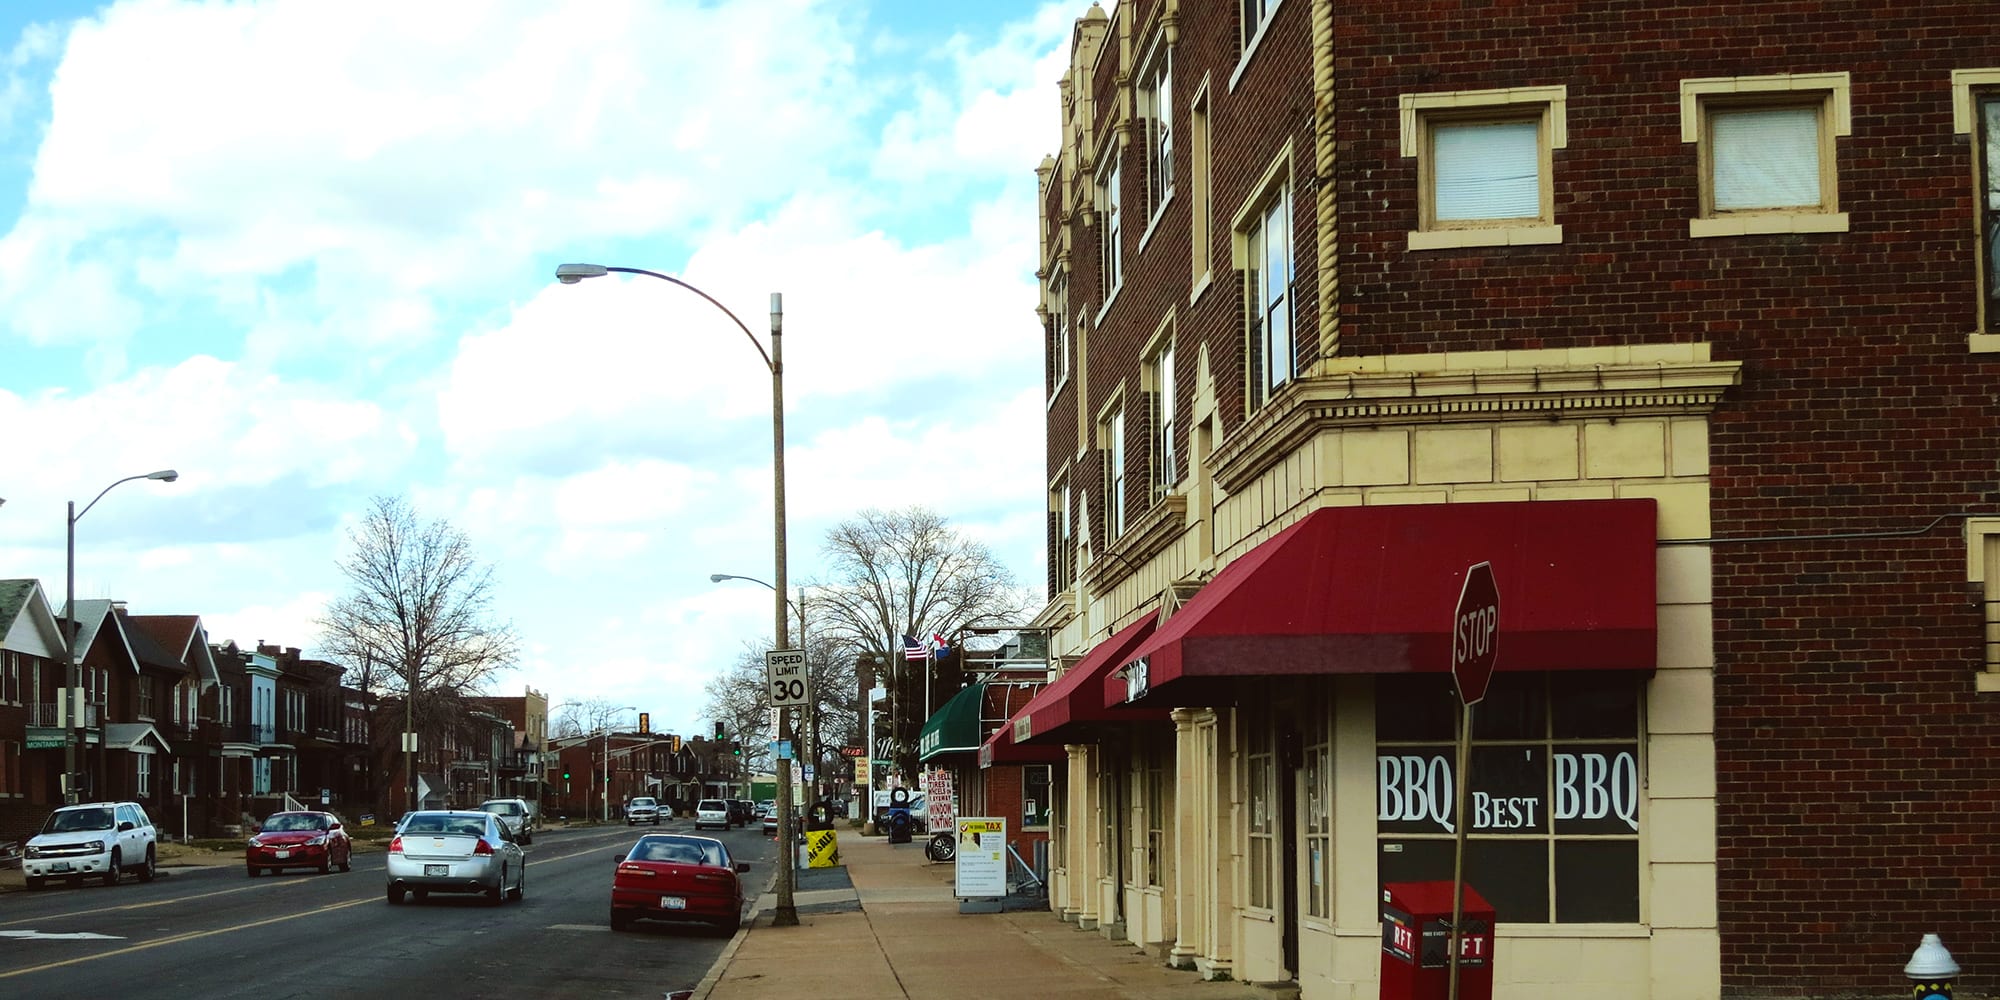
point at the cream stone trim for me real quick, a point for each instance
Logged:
(1478, 386)
(1963, 120)
(1411, 106)
(1835, 84)
(1982, 566)
(1497, 236)
(1777, 222)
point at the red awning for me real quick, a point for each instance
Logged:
(1371, 590)
(1000, 748)
(1076, 696)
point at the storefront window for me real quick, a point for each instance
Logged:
(1156, 812)
(1554, 795)
(1319, 816)
(1035, 803)
(1261, 799)
(1110, 816)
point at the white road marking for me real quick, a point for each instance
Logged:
(53, 936)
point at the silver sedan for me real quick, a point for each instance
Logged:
(456, 851)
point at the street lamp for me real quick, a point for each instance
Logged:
(811, 725)
(787, 914)
(73, 736)
(607, 759)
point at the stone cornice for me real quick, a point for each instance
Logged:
(1470, 395)
(1155, 529)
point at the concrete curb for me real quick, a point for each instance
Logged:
(721, 964)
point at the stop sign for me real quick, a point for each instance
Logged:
(1475, 633)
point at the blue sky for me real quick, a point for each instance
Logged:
(302, 253)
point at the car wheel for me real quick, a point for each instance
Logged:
(252, 871)
(520, 886)
(326, 863)
(347, 862)
(111, 873)
(146, 874)
(656, 821)
(620, 922)
(395, 895)
(36, 883)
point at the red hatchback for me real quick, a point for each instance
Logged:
(677, 877)
(299, 840)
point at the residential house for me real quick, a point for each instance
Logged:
(31, 675)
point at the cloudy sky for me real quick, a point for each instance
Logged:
(302, 252)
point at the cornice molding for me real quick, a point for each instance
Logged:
(1148, 536)
(1320, 403)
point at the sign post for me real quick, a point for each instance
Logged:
(1475, 629)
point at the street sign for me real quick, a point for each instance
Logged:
(1475, 631)
(785, 670)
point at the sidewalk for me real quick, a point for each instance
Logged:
(897, 932)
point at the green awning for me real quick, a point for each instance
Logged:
(955, 727)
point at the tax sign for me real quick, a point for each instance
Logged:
(1475, 633)
(785, 672)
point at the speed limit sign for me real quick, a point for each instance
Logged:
(785, 672)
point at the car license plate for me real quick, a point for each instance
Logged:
(437, 869)
(60, 866)
(673, 903)
(283, 854)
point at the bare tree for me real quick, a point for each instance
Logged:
(417, 618)
(740, 700)
(586, 717)
(908, 572)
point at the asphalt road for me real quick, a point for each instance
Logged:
(214, 933)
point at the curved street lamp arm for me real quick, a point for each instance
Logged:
(766, 355)
(168, 475)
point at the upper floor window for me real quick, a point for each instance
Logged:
(1058, 330)
(1485, 165)
(146, 697)
(1108, 227)
(1267, 287)
(1156, 112)
(1199, 197)
(1160, 388)
(1256, 14)
(1765, 149)
(1111, 433)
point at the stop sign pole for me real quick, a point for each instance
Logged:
(1475, 629)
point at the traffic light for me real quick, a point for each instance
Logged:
(718, 730)
(565, 774)
(645, 723)
(737, 749)
(673, 744)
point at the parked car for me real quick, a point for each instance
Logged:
(456, 851)
(298, 840)
(517, 814)
(768, 807)
(770, 824)
(644, 809)
(711, 812)
(742, 811)
(98, 840)
(678, 877)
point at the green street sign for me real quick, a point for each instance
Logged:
(46, 743)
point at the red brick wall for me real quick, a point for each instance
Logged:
(1855, 765)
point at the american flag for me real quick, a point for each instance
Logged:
(914, 650)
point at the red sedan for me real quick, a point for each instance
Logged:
(299, 840)
(677, 877)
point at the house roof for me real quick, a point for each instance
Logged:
(14, 596)
(23, 597)
(148, 648)
(90, 617)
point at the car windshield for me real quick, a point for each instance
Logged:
(292, 822)
(78, 820)
(644, 803)
(468, 826)
(678, 850)
(503, 808)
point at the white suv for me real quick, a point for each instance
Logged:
(644, 809)
(711, 812)
(98, 840)
(517, 814)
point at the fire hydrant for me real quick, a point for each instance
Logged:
(1931, 970)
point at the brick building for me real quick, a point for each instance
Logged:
(1676, 314)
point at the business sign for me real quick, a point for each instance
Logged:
(937, 801)
(861, 775)
(982, 858)
(853, 752)
(1577, 790)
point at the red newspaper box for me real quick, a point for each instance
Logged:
(1416, 943)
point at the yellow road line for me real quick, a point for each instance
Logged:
(45, 918)
(177, 938)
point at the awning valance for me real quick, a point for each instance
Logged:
(1372, 590)
(954, 728)
(1078, 695)
(1000, 748)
